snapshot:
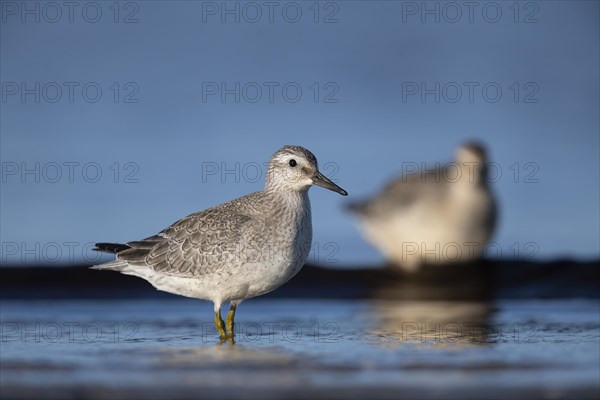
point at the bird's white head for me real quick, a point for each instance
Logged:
(471, 152)
(294, 168)
(472, 158)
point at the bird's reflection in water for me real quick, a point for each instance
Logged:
(444, 323)
(224, 371)
(222, 356)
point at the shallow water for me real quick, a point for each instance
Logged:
(156, 348)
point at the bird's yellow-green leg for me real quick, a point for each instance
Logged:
(230, 319)
(220, 324)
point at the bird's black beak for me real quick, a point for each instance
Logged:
(320, 180)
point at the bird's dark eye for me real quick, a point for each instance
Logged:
(293, 163)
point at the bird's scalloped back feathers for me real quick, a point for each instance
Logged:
(195, 245)
(207, 242)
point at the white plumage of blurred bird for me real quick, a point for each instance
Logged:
(438, 216)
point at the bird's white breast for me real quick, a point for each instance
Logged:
(271, 252)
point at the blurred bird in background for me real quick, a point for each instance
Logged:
(435, 216)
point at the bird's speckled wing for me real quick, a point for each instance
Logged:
(404, 192)
(196, 245)
(409, 188)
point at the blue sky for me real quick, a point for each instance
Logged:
(178, 111)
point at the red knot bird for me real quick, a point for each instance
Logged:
(437, 216)
(237, 250)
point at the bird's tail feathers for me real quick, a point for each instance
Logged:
(116, 265)
(357, 207)
(111, 247)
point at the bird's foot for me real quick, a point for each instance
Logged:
(228, 339)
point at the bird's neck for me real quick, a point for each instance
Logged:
(291, 198)
(290, 204)
(470, 175)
